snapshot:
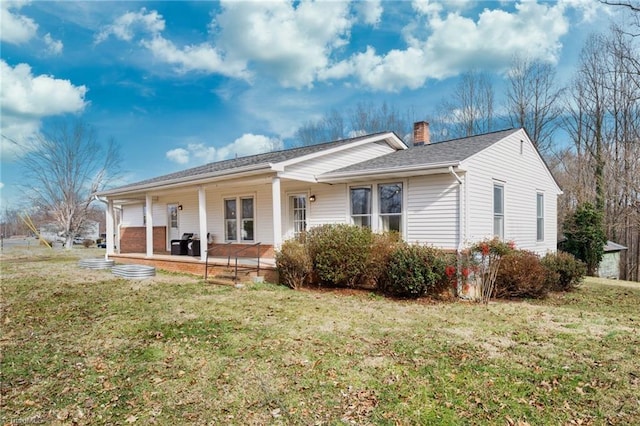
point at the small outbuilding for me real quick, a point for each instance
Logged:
(609, 266)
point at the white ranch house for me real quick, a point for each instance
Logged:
(447, 194)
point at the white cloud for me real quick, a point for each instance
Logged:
(15, 28)
(54, 47)
(450, 43)
(125, 26)
(203, 57)
(247, 144)
(370, 11)
(178, 155)
(25, 99)
(290, 43)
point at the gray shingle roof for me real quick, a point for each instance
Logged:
(251, 160)
(436, 153)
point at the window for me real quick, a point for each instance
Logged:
(361, 207)
(498, 211)
(247, 219)
(230, 221)
(242, 226)
(390, 201)
(298, 214)
(540, 217)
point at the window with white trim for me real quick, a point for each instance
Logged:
(498, 210)
(390, 203)
(539, 217)
(230, 220)
(246, 225)
(361, 206)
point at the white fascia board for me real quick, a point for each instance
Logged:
(416, 170)
(237, 172)
(390, 138)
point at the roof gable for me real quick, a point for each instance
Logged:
(438, 154)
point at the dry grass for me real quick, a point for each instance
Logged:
(82, 347)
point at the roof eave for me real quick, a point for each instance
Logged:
(404, 171)
(190, 180)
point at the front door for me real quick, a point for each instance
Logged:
(297, 214)
(173, 230)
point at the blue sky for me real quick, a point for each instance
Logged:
(178, 84)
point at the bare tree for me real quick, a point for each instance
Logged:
(63, 169)
(471, 108)
(533, 101)
(362, 119)
(603, 120)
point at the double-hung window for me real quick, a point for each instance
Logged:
(247, 219)
(244, 227)
(498, 210)
(539, 216)
(361, 206)
(390, 202)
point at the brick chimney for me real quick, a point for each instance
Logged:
(421, 133)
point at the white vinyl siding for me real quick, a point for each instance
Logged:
(432, 211)
(524, 175)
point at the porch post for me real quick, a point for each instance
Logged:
(277, 212)
(202, 211)
(149, 206)
(109, 229)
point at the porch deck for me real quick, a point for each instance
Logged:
(196, 266)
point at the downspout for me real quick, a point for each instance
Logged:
(460, 205)
(460, 224)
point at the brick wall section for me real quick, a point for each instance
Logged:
(133, 239)
(222, 250)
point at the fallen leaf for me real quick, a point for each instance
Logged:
(131, 419)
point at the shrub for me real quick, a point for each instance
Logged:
(382, 245)
(87, 243)
(521, 275)
(293, 264)
(563, 271)
(339, 253)
(413, 271)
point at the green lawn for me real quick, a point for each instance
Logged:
(80, 346)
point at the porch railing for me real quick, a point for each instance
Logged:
(236, 254)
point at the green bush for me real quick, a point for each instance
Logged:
(521, 275)
(293, 264)
(413, 271)
(339, 253)
(563, 271)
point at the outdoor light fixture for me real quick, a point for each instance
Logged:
(179, 206)
(312, 198)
